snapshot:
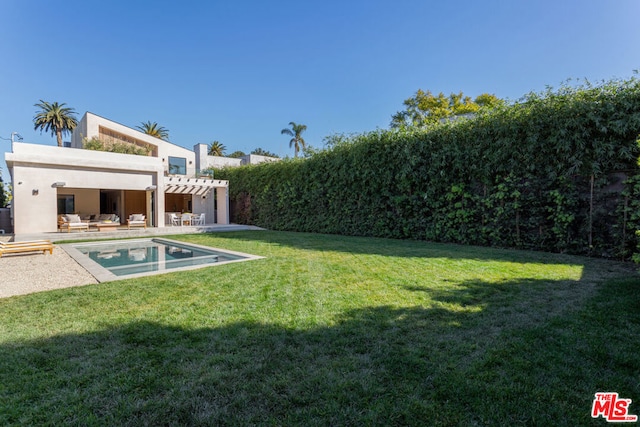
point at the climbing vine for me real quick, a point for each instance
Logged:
(555, 171)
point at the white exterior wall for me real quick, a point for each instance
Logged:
(80, 132)
(254, 159)
(204, 161)
(89, 127)
(38, 167)
(85, 172)
(220, 162)
(168, 149)
(201, 151)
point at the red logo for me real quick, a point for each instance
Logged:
(612, 408)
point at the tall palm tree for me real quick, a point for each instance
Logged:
(295, 132)
(55, 118)
(216, 149)
(154, 129)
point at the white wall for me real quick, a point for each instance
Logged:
(167, 149)
(89, 127)
(38, 167)
(79, 133)
(254, 159)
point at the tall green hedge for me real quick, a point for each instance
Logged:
(555, 171)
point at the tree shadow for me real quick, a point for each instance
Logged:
(593, 269)
(390, 247)
(423, 365)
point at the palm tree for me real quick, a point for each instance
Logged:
(216, 149)
(154, 129)
(296, 133)
(55, 118)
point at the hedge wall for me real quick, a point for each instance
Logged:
(555, 171)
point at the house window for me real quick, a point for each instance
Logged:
(177, 166)
(66, 204)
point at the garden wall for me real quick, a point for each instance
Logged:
(555, 171)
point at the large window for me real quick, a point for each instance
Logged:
(177, 166)
(66, 204)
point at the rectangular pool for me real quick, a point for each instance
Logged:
(120, 259)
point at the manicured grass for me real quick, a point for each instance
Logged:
(329, 330)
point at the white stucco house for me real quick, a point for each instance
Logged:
(49, 181)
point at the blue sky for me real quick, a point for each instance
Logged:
(240, 71)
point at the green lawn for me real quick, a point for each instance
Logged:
(329, 330)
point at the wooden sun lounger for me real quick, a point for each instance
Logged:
(23, 247)
(24, 242)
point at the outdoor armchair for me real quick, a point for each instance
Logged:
(136, 220)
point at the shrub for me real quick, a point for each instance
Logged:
(114, 146)
(555, 171)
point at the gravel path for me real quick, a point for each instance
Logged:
(34, 272)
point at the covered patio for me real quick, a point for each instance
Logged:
(54, 181)
(192, 197)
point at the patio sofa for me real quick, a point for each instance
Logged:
(95, 220)
(71, 222)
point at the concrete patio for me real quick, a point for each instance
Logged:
(123, 233)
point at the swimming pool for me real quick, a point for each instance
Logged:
(121, 259)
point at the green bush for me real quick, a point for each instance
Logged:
(555, 171)
(114, 146)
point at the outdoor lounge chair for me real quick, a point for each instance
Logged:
(136, 220)
(23, 247)
(71, 222)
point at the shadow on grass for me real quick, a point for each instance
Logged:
(592, 269)
(393, 247)
(375, 366)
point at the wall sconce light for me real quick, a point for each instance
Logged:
(58, 184)
(34, 192)
(151, 188)
(190, 162)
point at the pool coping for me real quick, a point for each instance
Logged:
(103, 275)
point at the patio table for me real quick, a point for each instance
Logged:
(107, 225)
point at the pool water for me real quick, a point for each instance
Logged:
(149, 256)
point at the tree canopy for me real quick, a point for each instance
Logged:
(153, 129)
(237, 154)
(260, 152)
(3, 196)
(425, 108)
(297, 141)
(216, 148)
(55, 118)
(555, 171)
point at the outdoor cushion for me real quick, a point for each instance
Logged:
(73, 218)
(137, 217)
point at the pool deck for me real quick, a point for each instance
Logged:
(157, 266)
(123, 233)
(35, 272)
